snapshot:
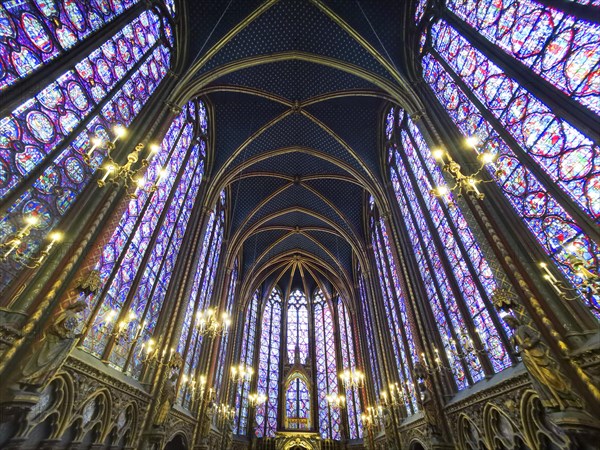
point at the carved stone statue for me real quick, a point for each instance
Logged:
(553, 388)
(167, 399)
(426, 399)
(89, 284)
(48, 354)
(207, 418)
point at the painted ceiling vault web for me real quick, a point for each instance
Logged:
(298, 88)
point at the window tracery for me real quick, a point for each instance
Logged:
(485, 61)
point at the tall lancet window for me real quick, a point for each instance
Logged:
(269, 365)
(395, 308)
(137, 263)
(297, 327)
(231, 293)
(297, 403)
(523, 80)
(326, 364)
(349, 360)
(455, 274)
(190, 342)
(370, 330)
(240, 423)
(46, 135)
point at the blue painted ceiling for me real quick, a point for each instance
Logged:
(298, 89)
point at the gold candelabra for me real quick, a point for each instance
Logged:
(241, 373)
(14, 242)
(210, 324)
(336, 401)
(399, 394)
(225, 412)
(587, 273)
(462, 183)
(352, 378)
(127, 172)
(150, 353)
(255, 399)
(372, 415)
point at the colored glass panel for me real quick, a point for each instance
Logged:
(349, 362)
(269, 365)
(123, 255)
(297, 327)
(570, 158)
(454, 231)
(240, 423)
(401, 334)
(369, 327)
(325, 359)
(297, 404)
(34, 32)
(560, 48)
(549, 223)
(33, 130)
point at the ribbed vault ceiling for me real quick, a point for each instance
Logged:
(298, 89)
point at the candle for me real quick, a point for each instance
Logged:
(96, 142)
(549, 275)
(120, 132)
(109, 170)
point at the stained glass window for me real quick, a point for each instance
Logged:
(509, 76)
(432, 227)
(268, 365)
(297, 327)
(190, 342)
(297, 404)
(370, 329)
(349, 362)
(231, 291)
(144, 246)
(327, 383)
(49, 134)
(240, 423)
(34, 32)
(394, 303)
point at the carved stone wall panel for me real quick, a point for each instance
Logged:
(83, 406)
(508, 415)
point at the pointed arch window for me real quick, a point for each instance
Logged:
(269, 365)
(145, 245)
(326, 365)
(44, 139)
(231, 292)
(190, 342)
(240, 423)
(455, 273)
(350, 362)
(394, 303)
(297, 326)
(521, 79)
(297, 403)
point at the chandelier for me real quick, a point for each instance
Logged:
(210, 324)
(14, 242)
(256, 399)
(115, 172)
(462, 183)
(241, 373)
(336, 400)
(352, 378)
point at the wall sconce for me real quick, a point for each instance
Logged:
(14, 242)
(462, 183)
(114, 172)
